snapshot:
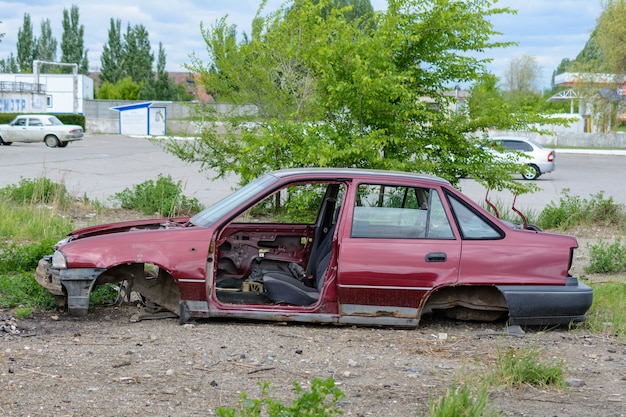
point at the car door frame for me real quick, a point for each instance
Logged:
(385, 281)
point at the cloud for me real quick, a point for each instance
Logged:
(549, 30)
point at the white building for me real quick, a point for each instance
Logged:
(45, 93)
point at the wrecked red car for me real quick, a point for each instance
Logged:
(343, 246)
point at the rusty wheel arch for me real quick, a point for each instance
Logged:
(467, 302)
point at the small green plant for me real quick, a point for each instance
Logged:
(22, 312)
(516, 367)
(608, 311)
(163, 197)
(574, 211)
(606, 258)
(462, 401)
(320, 401)
(103, 294)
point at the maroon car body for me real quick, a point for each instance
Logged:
(342, 246)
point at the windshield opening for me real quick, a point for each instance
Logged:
(214, 213)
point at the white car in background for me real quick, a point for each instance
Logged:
(539, 160)
(40, 128)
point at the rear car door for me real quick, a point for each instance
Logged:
(398, 247)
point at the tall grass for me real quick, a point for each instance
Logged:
(608, 311)
(30, 211)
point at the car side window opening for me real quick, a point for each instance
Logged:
(517, 145)
(295, 204)
(20, 122)
(34, 122)
(399, 212)
(472, 225)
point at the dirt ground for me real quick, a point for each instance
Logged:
(105, 365)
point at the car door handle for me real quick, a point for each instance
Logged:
(436, 257)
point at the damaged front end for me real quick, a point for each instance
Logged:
(68, 276)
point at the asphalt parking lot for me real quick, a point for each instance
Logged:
(101, 165)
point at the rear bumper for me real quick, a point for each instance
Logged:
(548, 305)
(547, 167)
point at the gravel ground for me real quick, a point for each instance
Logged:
(104, 365)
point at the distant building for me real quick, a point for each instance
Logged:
(50, 93)
(188, 79)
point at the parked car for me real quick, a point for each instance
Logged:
(539, 160)
(39, 128)
(343, 246)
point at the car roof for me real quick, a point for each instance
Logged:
(511, 138)
(353, 172)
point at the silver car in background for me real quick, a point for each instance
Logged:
(539, 160)
(44, 128)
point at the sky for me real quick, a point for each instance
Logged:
(548, 30)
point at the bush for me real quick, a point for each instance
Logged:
(575, 211)
(606, 258)
(163, 197)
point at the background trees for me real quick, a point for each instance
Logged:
(126, 67)
(26, 51)
(72, 41)
(126, 62)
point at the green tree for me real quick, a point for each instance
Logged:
(46, 47)
(138, 56)
(164, 88)
(72, 41)
(522, 75)
(331, 92)
(124, 89)
(26, 45)
(611, 36)
(9, 65)
(112, 58)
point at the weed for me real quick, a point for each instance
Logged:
(22, 312)
(163, 197)
(606, 258)
(516, 367)
(319, 402)
(462, 401)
